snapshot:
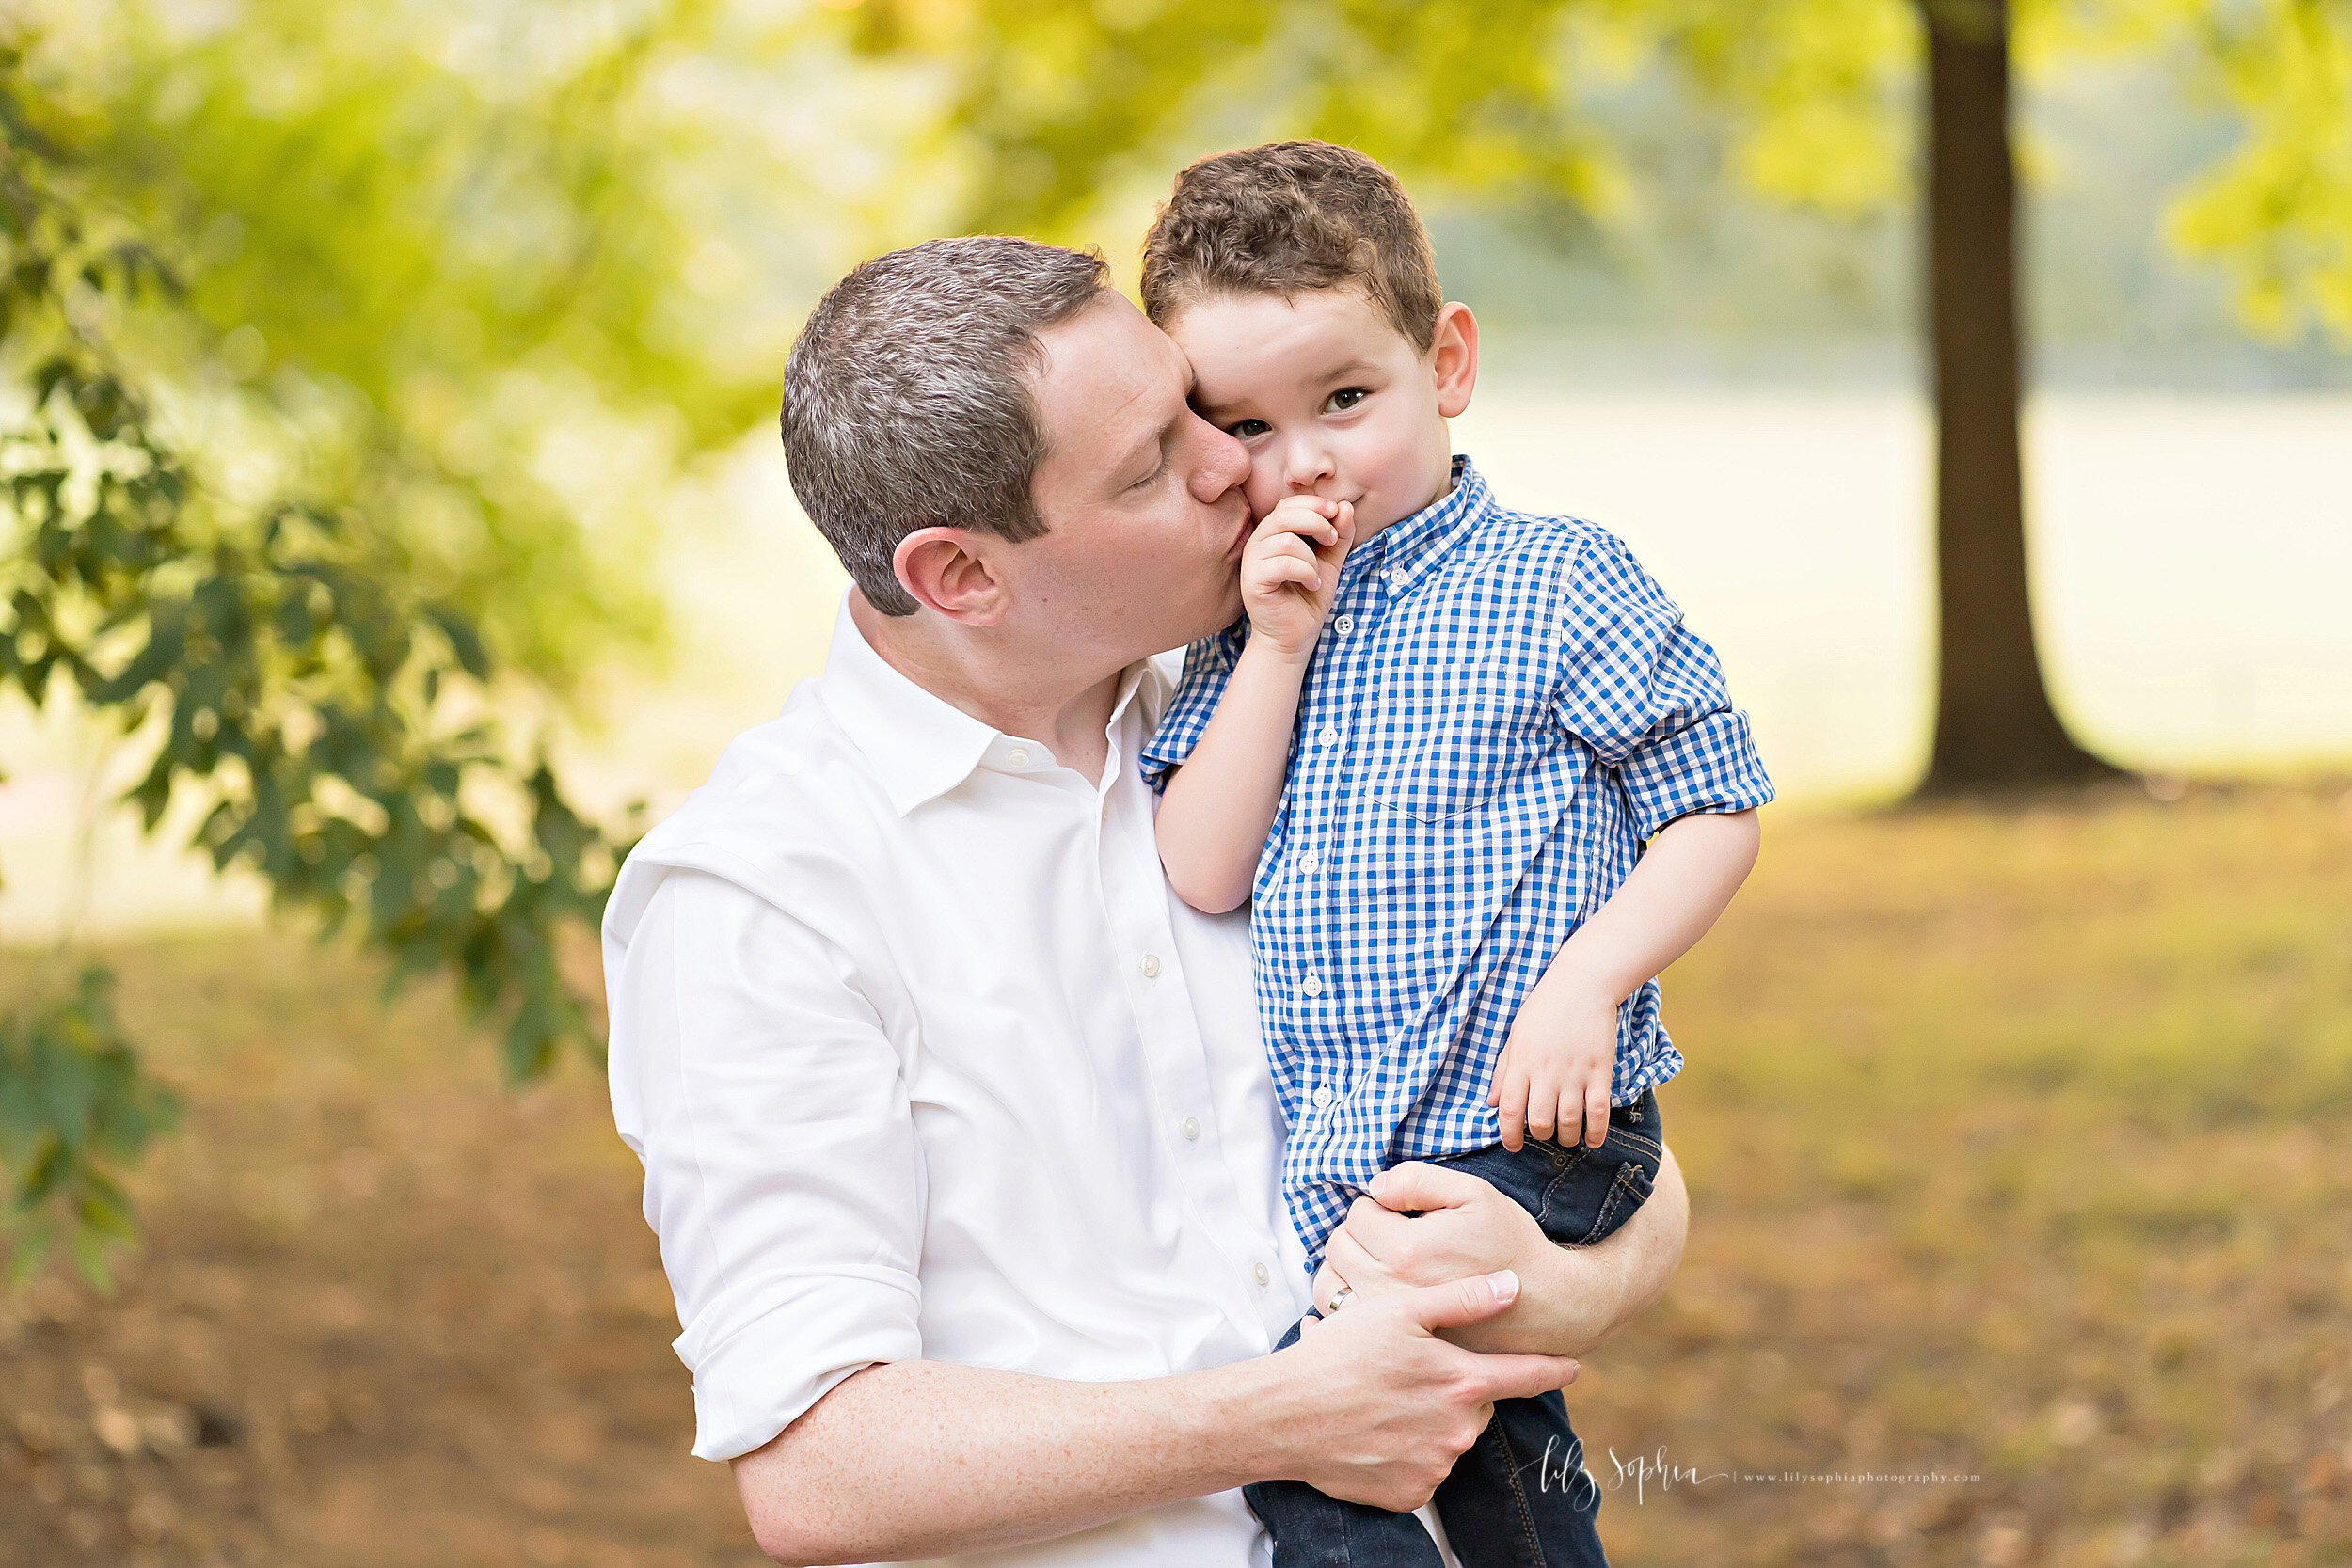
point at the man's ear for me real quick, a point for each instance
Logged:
(1453, 357)
(946, 571)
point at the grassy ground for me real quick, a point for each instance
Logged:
(2020, 1141)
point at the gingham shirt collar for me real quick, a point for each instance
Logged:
(1401, 553)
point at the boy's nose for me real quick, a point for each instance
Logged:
(1306, 465)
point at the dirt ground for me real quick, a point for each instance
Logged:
(2019, 1143)
(388, 1312)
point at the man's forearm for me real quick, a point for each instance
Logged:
(916, 1459)
(1577, 1297)
(913, 1459)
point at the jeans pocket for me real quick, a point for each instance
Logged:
(1628, 1192)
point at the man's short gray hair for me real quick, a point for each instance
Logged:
(906, 402)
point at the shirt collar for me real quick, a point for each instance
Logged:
(1405, 548)
(922, 746)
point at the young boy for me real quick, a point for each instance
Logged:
(1478, 778)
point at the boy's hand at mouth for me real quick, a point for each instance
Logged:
(1290, 568)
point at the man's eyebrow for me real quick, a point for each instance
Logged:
(1152, 445)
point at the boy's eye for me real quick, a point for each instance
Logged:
(1346, 398)
(1247, 430)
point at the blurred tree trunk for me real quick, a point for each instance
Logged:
(1993, 723)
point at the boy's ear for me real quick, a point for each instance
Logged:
(1453, 357)
(946, 571)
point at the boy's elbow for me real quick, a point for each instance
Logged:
(1202, 888)
(1751, 828)
(1207, 894)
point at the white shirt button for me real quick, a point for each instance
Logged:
(1312, 985)
(1018, 756)
(1323, 1096)
(1263, 1275)
(1310, 861)
(1328, 735)
(1191, 1128)
(1150, 966)
(1345, 625)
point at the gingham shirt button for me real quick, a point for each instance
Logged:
(1396, 577)
(1310, 861)
(1312, 985)
(1328, 735)
(1345, 625)
(1323, 1096)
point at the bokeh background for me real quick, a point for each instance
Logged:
(396, 526)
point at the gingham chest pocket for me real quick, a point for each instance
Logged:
(1467, 739)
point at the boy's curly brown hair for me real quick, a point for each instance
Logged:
(1287, 217)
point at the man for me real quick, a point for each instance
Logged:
(957, 1132)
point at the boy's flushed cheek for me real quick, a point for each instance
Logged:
(1265, 488)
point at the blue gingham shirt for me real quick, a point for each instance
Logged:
(1502, 709)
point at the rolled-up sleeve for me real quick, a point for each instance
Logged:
(1208, 666)
(783, 1174)
(1647, 694)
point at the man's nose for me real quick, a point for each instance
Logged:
(1223, 464)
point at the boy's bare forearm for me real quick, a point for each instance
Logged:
(1220, 806)
(1683, 883)
(916, 1459)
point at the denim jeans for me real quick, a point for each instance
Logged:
(1520, 1498)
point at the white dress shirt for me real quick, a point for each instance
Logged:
(924, 1059)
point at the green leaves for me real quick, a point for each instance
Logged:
(1060, 117)
(278, 665)
(72, 1104)
(2277, 210)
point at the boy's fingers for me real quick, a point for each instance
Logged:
(1513, 1120)
(1314, 504)
(1286, 546)
(1543, 1108)
(1596, 1112)
(1301, 525)
(1277, 573)
(1502, 1071)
